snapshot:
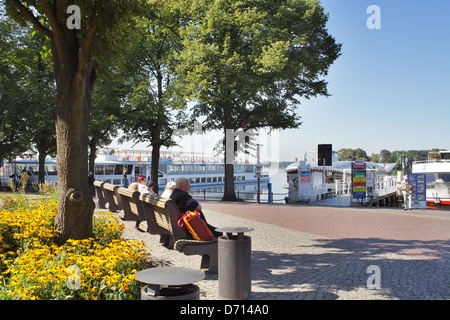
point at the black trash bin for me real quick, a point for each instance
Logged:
(170, 283)
(234, 255)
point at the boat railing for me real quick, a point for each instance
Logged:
(340, 188)
(432, 160)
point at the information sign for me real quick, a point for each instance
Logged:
(359, 179)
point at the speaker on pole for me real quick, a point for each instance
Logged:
(324, 153)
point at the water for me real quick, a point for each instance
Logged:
(248, 191)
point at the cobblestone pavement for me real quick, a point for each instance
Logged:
(305, 252)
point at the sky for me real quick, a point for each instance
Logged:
(389, 88)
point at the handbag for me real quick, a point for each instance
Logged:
(196, 226)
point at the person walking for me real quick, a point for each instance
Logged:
(406, 189)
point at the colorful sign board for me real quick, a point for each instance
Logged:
(359, 179)
(419, 186)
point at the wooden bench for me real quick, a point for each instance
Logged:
(112, 197)
(101, 202)
(131, 205)
(166, 216)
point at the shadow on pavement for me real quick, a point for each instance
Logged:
(331, 269)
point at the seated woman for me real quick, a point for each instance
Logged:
(134, 186)
(168, 190)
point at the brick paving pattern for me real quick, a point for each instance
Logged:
(313, 252)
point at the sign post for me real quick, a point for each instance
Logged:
(304, 181)
(419, 189)
(359, 179)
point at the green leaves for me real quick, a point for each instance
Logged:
(240, 57)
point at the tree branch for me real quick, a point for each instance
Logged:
(27, 14)
(86, 45)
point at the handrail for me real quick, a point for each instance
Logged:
(432, 161)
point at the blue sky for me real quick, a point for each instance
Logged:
(389, 88)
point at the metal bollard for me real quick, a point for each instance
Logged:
(234, 255)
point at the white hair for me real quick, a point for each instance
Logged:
(181, 182)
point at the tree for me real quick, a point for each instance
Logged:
(78, 50)
(106, 113)
(31, 84)
(246, 64)
(13, 138)
(151, 106)
(385, 156)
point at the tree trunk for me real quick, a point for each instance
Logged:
(74, 79)
(229, 194)
(42, 154)
(155, 165)
(92, 155)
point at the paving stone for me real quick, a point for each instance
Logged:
(289, 263)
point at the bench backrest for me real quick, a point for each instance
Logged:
(132, 206)
(101, 201)
(166, 215)
(111, 196)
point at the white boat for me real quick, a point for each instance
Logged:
(323, 182)
(13, 170)
(437, 169)
(111, 166)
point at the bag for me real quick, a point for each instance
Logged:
(196, 226)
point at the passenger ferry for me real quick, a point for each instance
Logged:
(14, 169)
(111, 166)
(437, 169)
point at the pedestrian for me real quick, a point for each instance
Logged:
(125, 181)
(406, 189)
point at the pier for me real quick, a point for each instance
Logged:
(333, 185)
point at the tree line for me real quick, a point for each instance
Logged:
(147, 69)
(399, 157)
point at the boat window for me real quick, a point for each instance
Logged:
(173, 169)
(249, 168)
(212, 168)
(99, 169)
(221, 169)
(118, 169)
(139, 171)
(188, 168)
(444, 176)
(445, 155)
(51, 169)
(117, 182)
(109, 169)
(130, 169)
(200, 168)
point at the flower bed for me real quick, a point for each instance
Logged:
(32, 266)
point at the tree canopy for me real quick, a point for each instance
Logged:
(246, 64)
